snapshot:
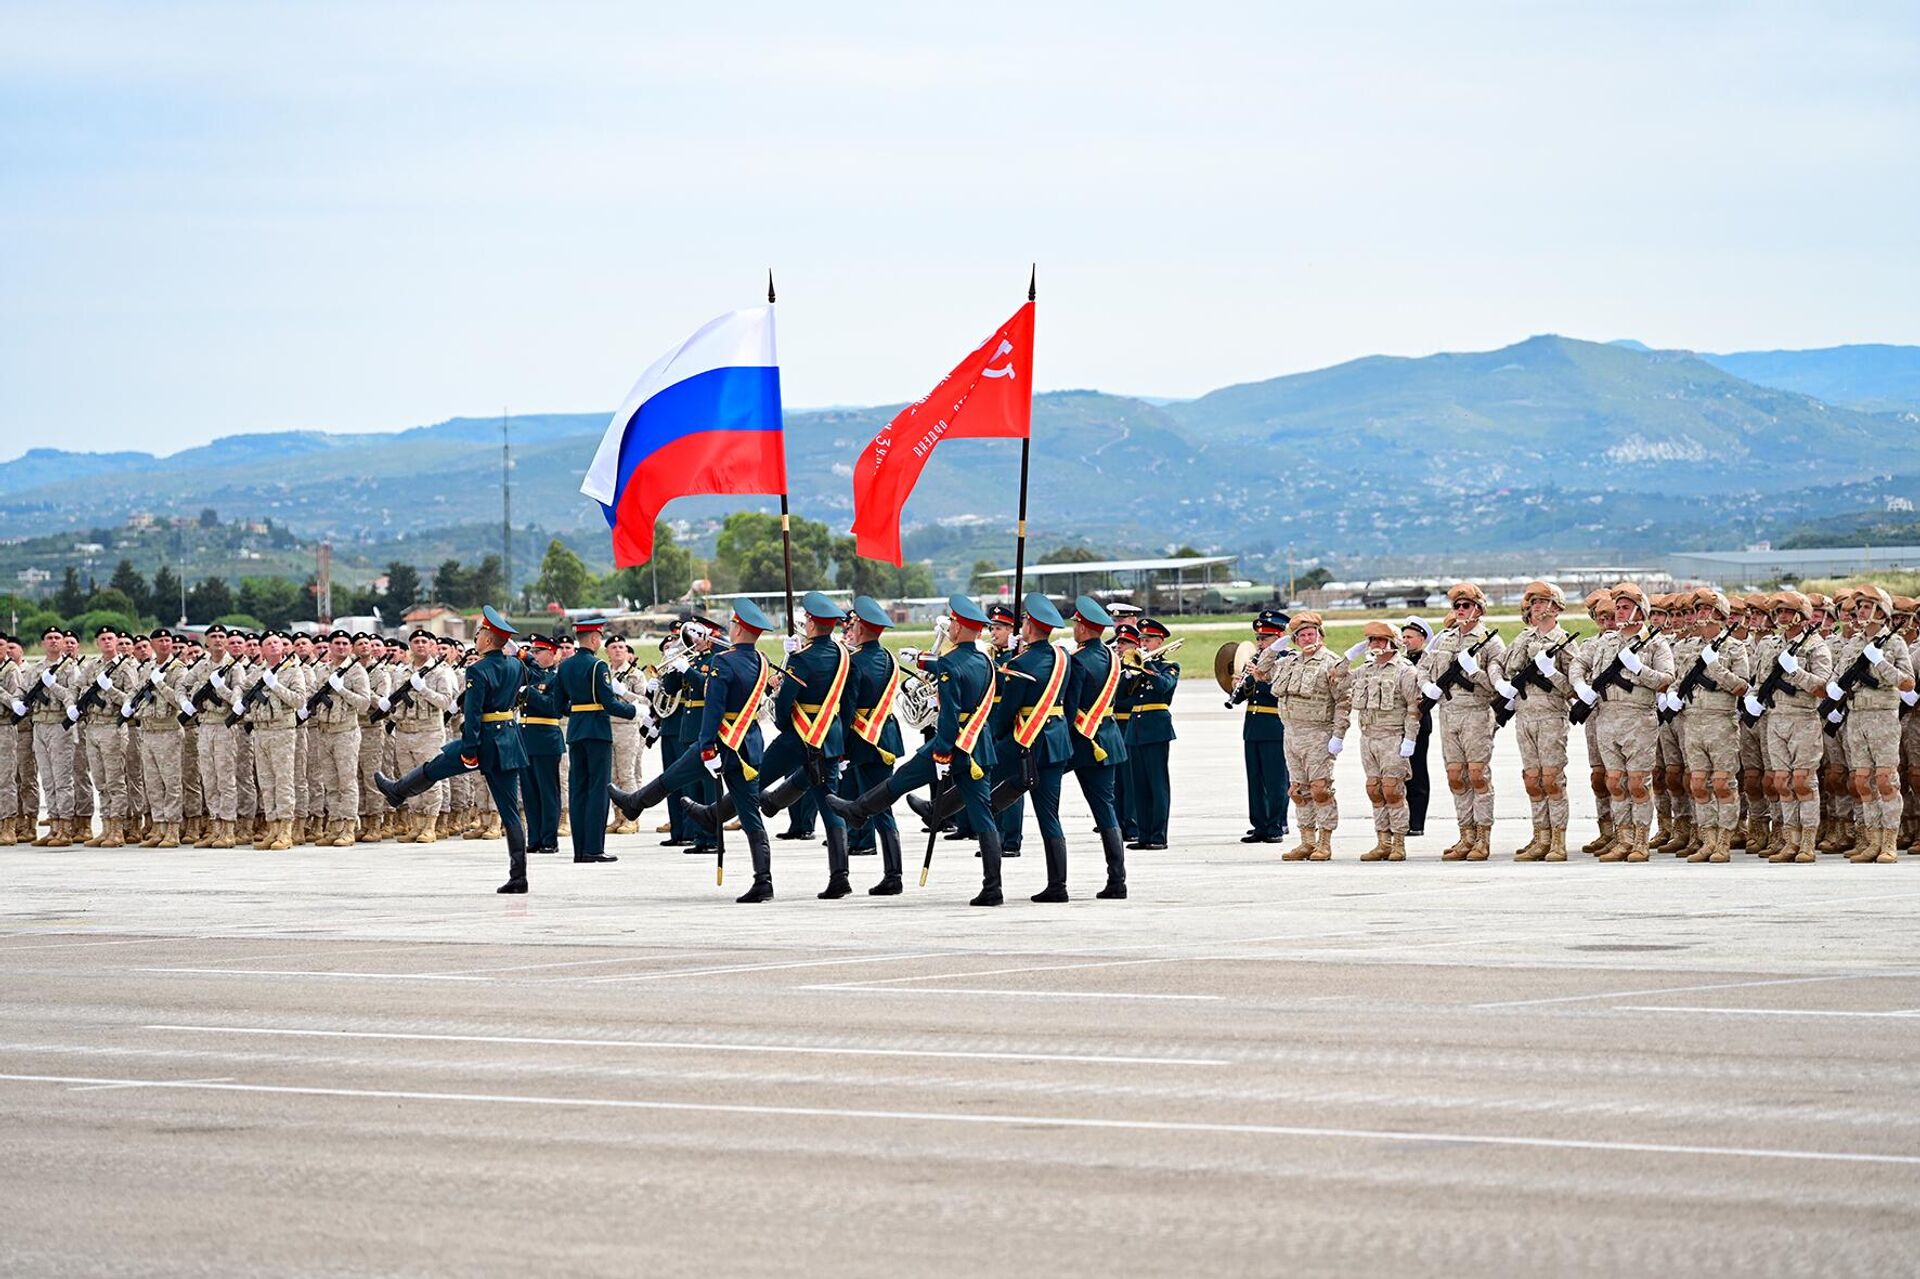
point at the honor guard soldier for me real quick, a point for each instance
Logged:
(1099, 749)
(1705, 704)
(1620, 678)
(1126, 651)
(592, 703)
(1150, 735)
(1001, 645)
(1032, 748)
(489, 743)
(110, 679)
(1315, 699)
(269, 710)
(425, 690)
(727, 746)
(1262, 737)
(960, 752)
(543, 707)
(1785, 702)
(1532, 679)
(1455, 674)
(1385, 695)
(806, 755)
(873, 733)
(12, 684)
(1865, 697)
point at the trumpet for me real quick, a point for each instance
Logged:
(1139, 659)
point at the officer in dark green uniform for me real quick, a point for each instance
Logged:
(873, 733)
(1126, 639)
(1149, 734)
(1263, 739)
(1035, 707)
(542, 709)
(728, 742)
(1099, 751)
(960, 752)
(489, 742)
(586, 683)
(1007, 765)
(810, 708)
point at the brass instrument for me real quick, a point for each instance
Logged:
(676, 656)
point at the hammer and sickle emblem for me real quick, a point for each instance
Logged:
(1005, 370)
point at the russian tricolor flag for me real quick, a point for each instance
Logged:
(704, 419)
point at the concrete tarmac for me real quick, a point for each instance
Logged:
(361, 1061)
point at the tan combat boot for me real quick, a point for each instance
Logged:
(206, 833)
(1886, 836)
(7, 838)
(1534, 849)
(1396, 847)
(263, 839)
(1604, 840)
(427, 832)
(1781, 846)
(1378, 853)
(1323, 846)
(1481, 848)
(347, 833)
(89, 838)
(1803, 849)
(1457, 851)
(223, 834)
(113, 832)
(1723, 845)
(170, 833)
(1556, 845)
(282, 835)
(1622, 843)
(663, 828)
(367, 831)
(59, 833)
(1302, 850)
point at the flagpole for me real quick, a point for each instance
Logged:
(786, 521)
(1026, 454)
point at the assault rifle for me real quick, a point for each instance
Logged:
(91, 699)
(1696, 676)
(1530, 677)
(1776, 681)
(1834, 710)
(38, 693)
(1453, 679)
(207, 692)
(238, 715)
(1614, 675)
(145, 694)
(403, 695)
(324, 694)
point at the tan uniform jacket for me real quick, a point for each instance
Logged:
(341, 712)
(1518, 660)
(1893, 671)
(277, 707)
(1636, 690)
(1386, 695)
(1802, 690)
(426, 709)
(1731, 672)
(1478, 691)
(1314, 688)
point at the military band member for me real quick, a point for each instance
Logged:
(592, 705)
(276, 691)
(1385, 695)
(1262, 737)
(1533, 678)
(1709, 727)
(629, 735)
(1415, 635)
(1126, 646)
(1803, 664)
(543, 710)
(1621, 676)
(960, 753)
(1454, 670)
(1099, 749)
(1870, 723)
(1150, 736)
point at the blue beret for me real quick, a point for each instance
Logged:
(492, 618)
(747, 613)
(965, 609)
(1088, 610)
(1041, 610)
(820, 608)
(868, 610)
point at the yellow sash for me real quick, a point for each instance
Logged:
(869, 724)
(813, 731)
(970, 731)
(733, 727)
(1029, 722)
(1087, 722)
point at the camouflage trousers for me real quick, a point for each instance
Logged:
(274, 754)
(219, 752)
(106, 747)
(161, 758)
(53, 752)
(334, 757)
(1466, 738)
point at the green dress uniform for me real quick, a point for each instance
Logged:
(869, 764)
(1097, 759)
(1040, 768)
(586, 682)
(542, 713)
(1149, 733)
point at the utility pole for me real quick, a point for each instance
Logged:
(506, 507)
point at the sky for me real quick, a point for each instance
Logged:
(228, 217)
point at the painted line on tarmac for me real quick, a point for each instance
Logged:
(999, 1121)
(854, 989)
(667, 952)
(1681, 990)
(692, 1046)
(762, 968)
(1909, 1014)
(303, 972)
(220, 1079)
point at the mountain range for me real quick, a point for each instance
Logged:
(1551, 444)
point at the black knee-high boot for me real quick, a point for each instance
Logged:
(989, 869)
(837, 885)
(632, 803)
(762, 889)
(783, 793)
(889, 885)
(399, 790)
(710, 817)
(1056, 889)
(868, 804)
(1116, 851)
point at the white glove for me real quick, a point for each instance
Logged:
(911, 656)
(1660, 701)
(333, 682)
(1356, 650)
(1586, 693)
(1543, 664)
(239, 698)
(649, 686)
(1909, 697)
(20, 708)
(73, 714)
(1789, 663)
(1406, 748)
(1432, 691)
(105, 684)
(1872, 654)
(218, 681)
(272, 680)
(416, 683)
(711, 763)
(126, 710)
(158, 677)
(1506, 690)
(1335, 746)
(1835, 717)
(46, 677)
(790, 645)
(383, 704)
(1754, 708)
(186, 706)
(1631, 660)
(302, 714)
(1710, 655)
(940, 768)
(1835, 691)
(1013, 645)
(1469, 663)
